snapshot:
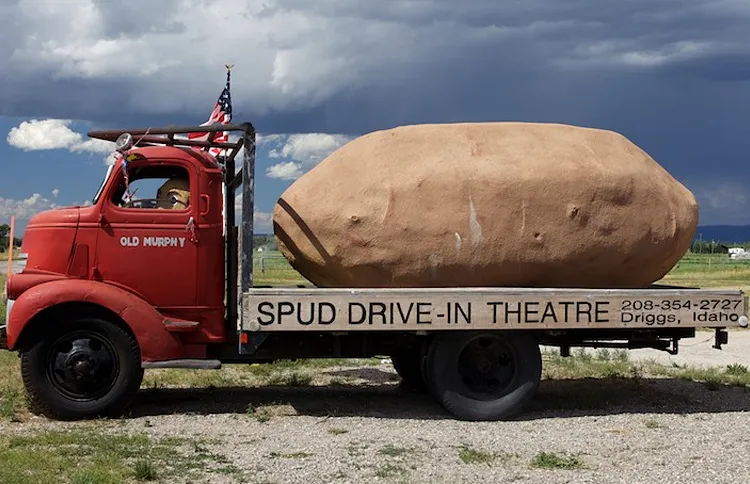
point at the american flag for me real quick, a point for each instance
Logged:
(222, 113)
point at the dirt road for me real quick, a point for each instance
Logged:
(4, 266)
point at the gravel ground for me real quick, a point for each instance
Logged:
(373, 430)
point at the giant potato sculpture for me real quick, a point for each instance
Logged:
(486, 204)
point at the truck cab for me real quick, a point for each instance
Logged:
(139, 274)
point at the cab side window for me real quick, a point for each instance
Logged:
(154, 187)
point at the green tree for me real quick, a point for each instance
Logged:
(4, 232)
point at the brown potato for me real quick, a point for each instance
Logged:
(486, 204)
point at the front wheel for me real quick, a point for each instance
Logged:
(88, 368)
(483, 375)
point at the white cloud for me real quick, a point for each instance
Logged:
(287, 170)
(51, 134)
(262, 221)
(264, 139)
(110, 158)
(310, 148)
(46, 134)
(55, 192)
(26, 208)
(302, 151)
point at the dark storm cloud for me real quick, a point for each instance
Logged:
(671, 75)
(137, 17)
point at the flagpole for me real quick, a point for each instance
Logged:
(229, 175)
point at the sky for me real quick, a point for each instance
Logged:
(673, 76)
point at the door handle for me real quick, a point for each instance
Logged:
(208, 204)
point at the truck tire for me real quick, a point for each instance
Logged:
(483, 375)
(408, 364)
(88, 368)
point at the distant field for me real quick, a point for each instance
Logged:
(709, 270)
(270, 268)
(4, 255)
(693, 270)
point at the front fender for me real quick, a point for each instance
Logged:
(146, 323)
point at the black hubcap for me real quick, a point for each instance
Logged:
(486, 367)
(82, 365)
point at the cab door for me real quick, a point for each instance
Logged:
(147, 240)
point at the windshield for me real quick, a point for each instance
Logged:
(104, 182)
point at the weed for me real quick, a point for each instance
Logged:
(550, 460)
(736, 369)
(652, 424)
(290, 455)
(261, 414)
(355, 449)
(337, 431)
(297, 379)
(145, 471)
(389, 470)
(393, 451)
(473, 456)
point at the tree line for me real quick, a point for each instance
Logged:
(4, 234)
(714, 247)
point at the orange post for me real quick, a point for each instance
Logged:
(10, 244)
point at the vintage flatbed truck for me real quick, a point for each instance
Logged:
(120, 286)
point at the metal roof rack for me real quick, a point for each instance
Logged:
(166, 136)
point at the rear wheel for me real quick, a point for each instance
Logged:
(483, 376)
(86, 368)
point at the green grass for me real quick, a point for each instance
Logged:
(91, 454)
(145, 471)
(274, 270)
(550, 460)
(652, 424)
(12, 393)
(474, 456)
(390, 469)
(709, 270)
(2, 299)
(290, 455)
(291, 373)
(606, 364)
(394, 451)
(4, 255)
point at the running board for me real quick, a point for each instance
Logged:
(180, 325)
(188, 364)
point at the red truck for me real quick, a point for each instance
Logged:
(161, 281)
